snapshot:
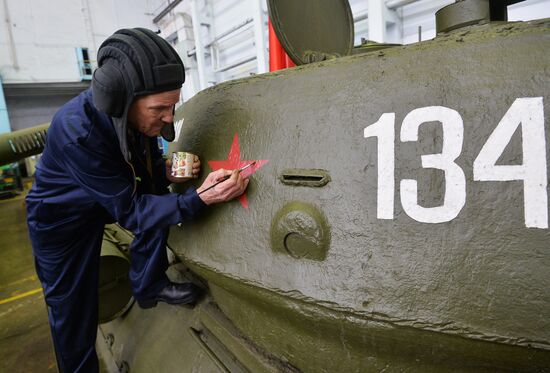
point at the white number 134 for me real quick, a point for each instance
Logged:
(527, 112)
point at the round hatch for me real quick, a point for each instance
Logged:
(115, 290)
(313, 30)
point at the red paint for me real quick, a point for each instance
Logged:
(289, 62)
(278, 59)
(234, 162)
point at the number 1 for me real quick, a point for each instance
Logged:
(384, 129)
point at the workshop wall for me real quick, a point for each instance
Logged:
(40, 38)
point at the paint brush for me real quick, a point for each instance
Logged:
(227, 177)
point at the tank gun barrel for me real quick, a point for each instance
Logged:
(21, 144)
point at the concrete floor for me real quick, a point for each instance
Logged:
(25, 340)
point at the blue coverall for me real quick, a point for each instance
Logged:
(82, 183)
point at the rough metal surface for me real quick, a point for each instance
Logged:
(462, 13)
(155, 340)
(178, 339)
(469, 12)
(301, 231)
(469, 294)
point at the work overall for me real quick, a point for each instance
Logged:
(82, 183)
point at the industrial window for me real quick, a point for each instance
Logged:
(84, 63)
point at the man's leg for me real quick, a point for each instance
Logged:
(148, 273)
(148, 264)
(67, 264)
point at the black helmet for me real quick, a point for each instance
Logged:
(134, 62)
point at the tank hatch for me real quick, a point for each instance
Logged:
(313, 30)
(470, 12)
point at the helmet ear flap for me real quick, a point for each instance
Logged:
(109, 90)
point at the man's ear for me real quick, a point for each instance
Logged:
(109, 90)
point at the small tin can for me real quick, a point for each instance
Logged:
(182, 164)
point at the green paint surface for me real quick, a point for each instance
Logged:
(301, 231)
(470, 294)
(179, 339)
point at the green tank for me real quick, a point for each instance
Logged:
(396, 218)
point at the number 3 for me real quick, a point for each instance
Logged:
(455, 181)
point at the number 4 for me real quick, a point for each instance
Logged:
(529, 112)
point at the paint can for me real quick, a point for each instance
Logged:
(182, 164)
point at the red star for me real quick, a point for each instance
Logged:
(233, 162)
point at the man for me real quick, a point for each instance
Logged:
(101, 164)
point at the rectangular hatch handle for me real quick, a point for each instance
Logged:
(309, 177)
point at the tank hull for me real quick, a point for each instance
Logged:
(401, 286)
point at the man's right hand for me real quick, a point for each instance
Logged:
(225, 191)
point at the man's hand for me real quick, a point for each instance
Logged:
(172, 179)
(225, 191)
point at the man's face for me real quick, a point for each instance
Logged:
(148, 114)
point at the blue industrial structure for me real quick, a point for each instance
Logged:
(4, 119)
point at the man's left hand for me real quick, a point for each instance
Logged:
(196, 170)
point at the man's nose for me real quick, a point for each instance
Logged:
(168, 116)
